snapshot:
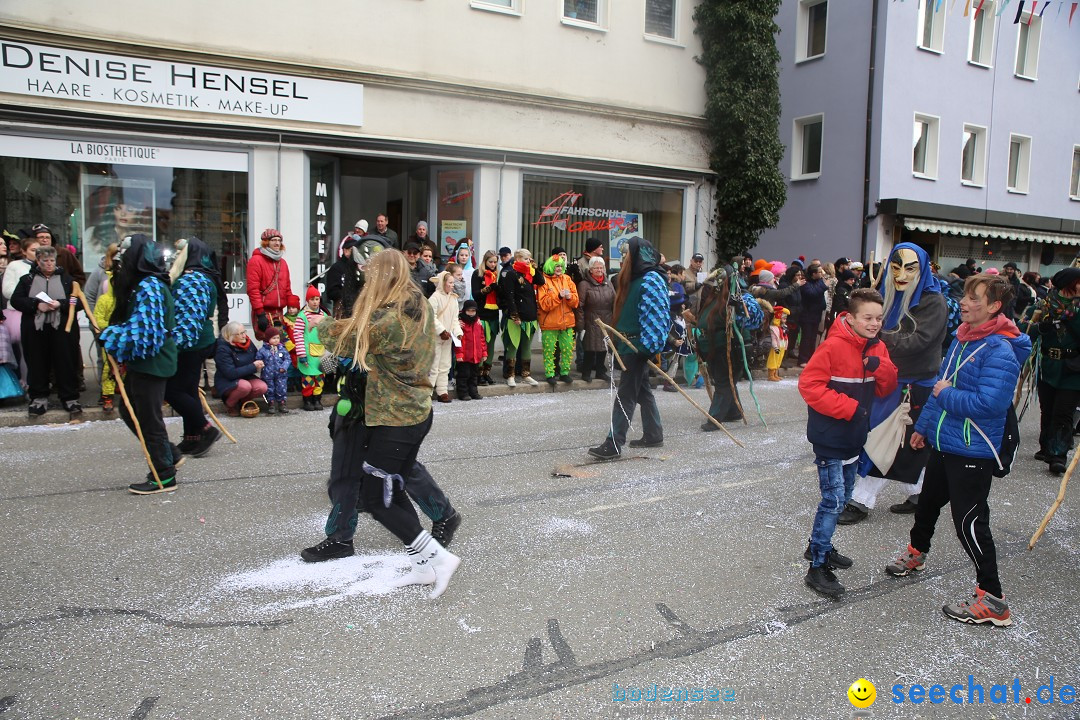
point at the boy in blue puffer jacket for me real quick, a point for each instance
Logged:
(964, 421)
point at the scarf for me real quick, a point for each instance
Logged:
(245, 346)
(271, 254)
(598, 275)
(491, 279)
(54, 288)
(997, 325)
(524, 268)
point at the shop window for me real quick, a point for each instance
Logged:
(566, 212)
(1027, 46)
(932, 25)
(455, 209)
(924, 154)
(584, 12)
(811, 29)
(806, 147)
(1074, 183)
(512, 7)
(981, 42)
(973, 156)
(660, 18)
(1019, 163)
(89, 205)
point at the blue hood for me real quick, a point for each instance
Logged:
(928, 283)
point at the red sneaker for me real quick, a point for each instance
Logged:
(980, 608)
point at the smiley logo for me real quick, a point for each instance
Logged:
(862, 693)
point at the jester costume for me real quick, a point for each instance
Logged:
(778, 340)
(557, 298)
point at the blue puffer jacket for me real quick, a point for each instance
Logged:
(980, 394)
(233, 364)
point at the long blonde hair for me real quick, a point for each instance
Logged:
(387, 283)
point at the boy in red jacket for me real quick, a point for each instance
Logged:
(470, 354)
(839, 384)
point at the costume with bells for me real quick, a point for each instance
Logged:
(309, 352)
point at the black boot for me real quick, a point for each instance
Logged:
(462, 385)
(474, 391)
(608, 451)
(822, 580)
(852, 514)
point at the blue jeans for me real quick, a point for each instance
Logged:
(837, 481)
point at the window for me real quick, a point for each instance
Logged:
(806, 147)
(1019, 163)
(812, 21)
(1074, 183)
(924, 153)
(510, 7)
(583, 11)
(1027, 46)
(660, 18)
(932, 25)
(981, 50)
(973, 156)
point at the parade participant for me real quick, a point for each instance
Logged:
(718, 344)
(839, 385)
(1059, 379)
(275, 371)
(140, 335)
(778, 342)
(344, 280)
(390, 336)
(916, 316)
(964, 422)
(309, 350)
(470, 354)
(596, 301)
(485, 284)
(194, 300)
(517, 301)
(268, 285)
(237, 368)
(557, 299)
(641, 314)
(444, 310)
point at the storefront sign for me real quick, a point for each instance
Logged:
(120, 153)
(451, 232)
(563, 213)
(322, 251)
(49, 72)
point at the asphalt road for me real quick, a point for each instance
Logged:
(681, 568)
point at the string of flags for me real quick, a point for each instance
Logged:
(1033, 8)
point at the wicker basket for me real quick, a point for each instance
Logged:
(249, 409)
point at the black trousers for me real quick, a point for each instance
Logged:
(808, 325)
(634, 390)
(147, 393)
(593, 361)
(182, 391)
(392, 450)
(1056, 408)
(466, 376)
(725, 400)
(963, 483)
(49, 351)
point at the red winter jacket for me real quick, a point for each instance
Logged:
(839, 389)
(473, 346)
(265, 294)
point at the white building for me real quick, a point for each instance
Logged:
(220, 119)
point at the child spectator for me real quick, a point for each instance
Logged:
(778, 341)
(485, 283)
(470, 353)
(839, 384)
(448, 328)
(678, 346)
(288, 322)
(309, 350)
(275, 370)
(460, 291)
(556, 299)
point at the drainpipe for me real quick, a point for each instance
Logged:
(870, 79)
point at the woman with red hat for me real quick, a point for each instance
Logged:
(268, 285)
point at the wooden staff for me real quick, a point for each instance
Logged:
(870, 272)
(119, 384)
(1057, 502)
(608, 329)
(206, 407)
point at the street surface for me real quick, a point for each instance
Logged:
(680, 567)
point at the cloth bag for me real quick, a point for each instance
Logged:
(887, 437)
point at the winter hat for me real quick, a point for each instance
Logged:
(993, 271)
(293, 301)
(312, 292)
(761, 264)
(558, 250)
(361, 225)
(422, 224)
(269, 233)
(855, 265)
(592, 244)
(780, 312)
(505, 251)
(271, 332)
(777, 268)
(797, 263)
(847, 275)
(469, 305)
(765, 277)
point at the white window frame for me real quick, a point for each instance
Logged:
(1074, 178)
(978, 178)
(1023, 171)
(802, 30)
(514, 8)
(798, 125)
(1034, 32)
(933, 135)
(664, 39)
(989, 20)
(601, 17)
(937, 41)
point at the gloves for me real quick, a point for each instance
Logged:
(263, 321)
(1046, 328)
(301, 359)
(444, 335)
(872, 362)
(328, 363)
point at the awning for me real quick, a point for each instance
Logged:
(990, 231)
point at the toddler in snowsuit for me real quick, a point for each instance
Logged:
(470, 353)
(309, 350)
(275, 372)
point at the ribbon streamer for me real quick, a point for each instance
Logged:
(388, 481)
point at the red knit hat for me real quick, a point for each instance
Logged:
(269, 233)
(312, 292)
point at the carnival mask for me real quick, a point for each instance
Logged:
(905, 269)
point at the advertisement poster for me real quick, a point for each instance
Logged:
(451, 231)
(114, 208)
(619, 236)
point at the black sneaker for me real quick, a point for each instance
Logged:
(552, 380)
(822, 580)
(643, 443)
(38, 406)
(187, 443)
(834, 560)
(204, 442)
(566, 379)
(151, 487)
(328, 550)
(1043, 456)
(908, 507)
(709, 427)
(1057, 467)
(73, 407)
(852, 514)
(608, 451)
(271, 408)
(443, 530)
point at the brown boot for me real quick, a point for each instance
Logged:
(774, 374)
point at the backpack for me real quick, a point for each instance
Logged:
(1010, 443)
(754, 317)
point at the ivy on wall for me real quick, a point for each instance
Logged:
(742, 114)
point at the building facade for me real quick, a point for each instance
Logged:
(512, 122)
(962, 135)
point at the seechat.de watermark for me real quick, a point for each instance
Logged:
(664, 693)
(973, 693)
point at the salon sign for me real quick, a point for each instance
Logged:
(43, 71)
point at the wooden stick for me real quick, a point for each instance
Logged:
(654, 366)
(72, 308)
(206, 407)
(120, 386)
(1057, 502)
(604, 329)
(870, 271)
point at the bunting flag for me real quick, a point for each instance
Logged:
(1030, 8)
(1019, 12)
(1046, 5)
(1072, 12)
(967, 8)
(1001, 9)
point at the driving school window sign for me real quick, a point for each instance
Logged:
(563, 213)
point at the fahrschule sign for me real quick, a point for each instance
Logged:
(49, 72)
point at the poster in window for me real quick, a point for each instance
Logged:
(450, 232)
(620, 234)
(114, 208)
